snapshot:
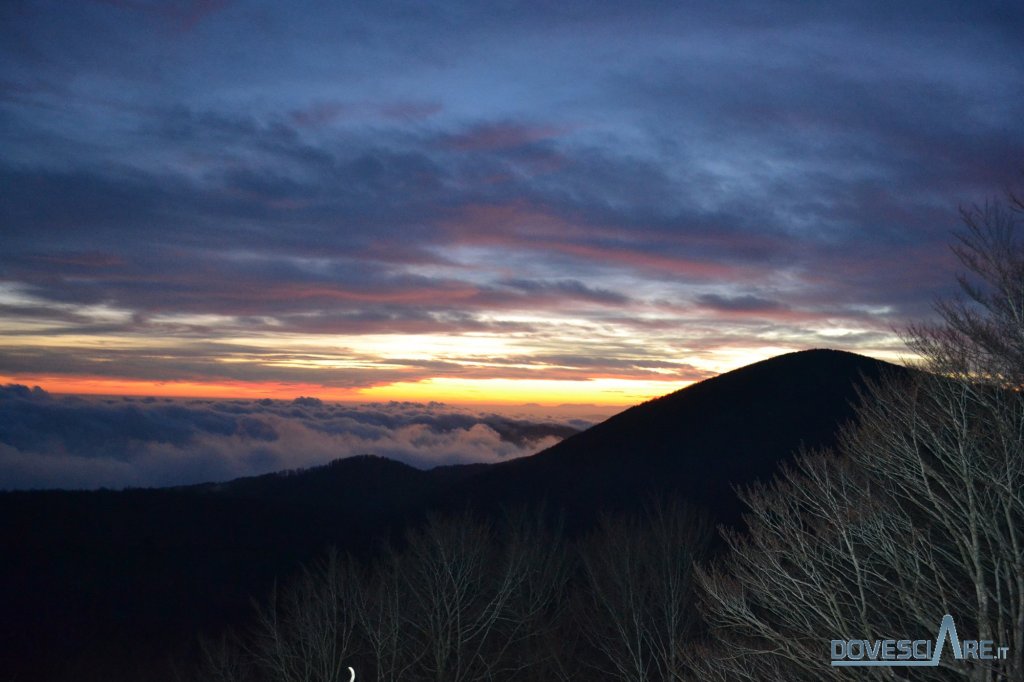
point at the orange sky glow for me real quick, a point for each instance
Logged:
(547, 389)
(604, 392)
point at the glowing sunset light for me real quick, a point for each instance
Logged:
(598, 391)
(112, 386)
(376, 204)
(608, 392)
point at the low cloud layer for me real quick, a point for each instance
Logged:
(48, 441)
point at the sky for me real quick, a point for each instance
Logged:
(483, 202)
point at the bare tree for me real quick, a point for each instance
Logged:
(960, 476)
(474, 601)
(919, 513)
(981, 336)
(384, 622)
(534, 554)
(221, 659)
(811, 567)
(305, 632)
(447, 569)
(638, 603)
(461, 599)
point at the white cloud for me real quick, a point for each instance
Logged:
(49, 442)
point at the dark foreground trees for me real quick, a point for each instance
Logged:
(465, 599)
(461, 601)
(918, 514)
(636, 603)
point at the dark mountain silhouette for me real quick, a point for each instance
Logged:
(80, 571)
(361, 490)
(134, 570)
(700, 441)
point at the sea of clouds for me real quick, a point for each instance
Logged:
(49, 441)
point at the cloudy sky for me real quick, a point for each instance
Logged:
(571, 202)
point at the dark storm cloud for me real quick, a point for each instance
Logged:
(48, 441)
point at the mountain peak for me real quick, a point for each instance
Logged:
(700, 441)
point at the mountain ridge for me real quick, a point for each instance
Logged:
(754, 417)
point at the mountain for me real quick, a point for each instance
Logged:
(363, 491)
(136, 569)
(81, 571)
(699, 442)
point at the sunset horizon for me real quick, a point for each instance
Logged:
(601, 392)
(577, 207)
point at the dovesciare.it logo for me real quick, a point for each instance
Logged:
(914, 652)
